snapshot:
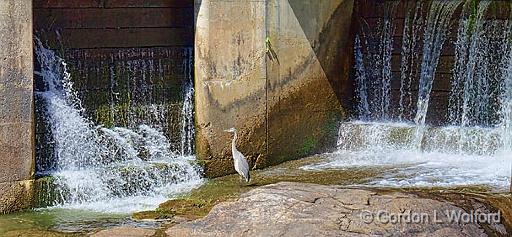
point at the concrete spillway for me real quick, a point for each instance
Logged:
(115, 169)
(471, 146)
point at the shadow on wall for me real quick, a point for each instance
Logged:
(334, 46)
(278, 71)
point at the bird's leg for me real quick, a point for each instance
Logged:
(240, 180)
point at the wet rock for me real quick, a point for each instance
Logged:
(295, 209)
(125, 232)
(35, 233)
(177, 210)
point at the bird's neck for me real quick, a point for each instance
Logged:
(233, 143)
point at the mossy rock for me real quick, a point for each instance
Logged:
(188, 208)
(191, 208)
(151, 215)
(46, 192)
(38, 233)
(308, 146)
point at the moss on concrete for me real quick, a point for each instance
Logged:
(308, 146)
(104, 116)
(473, 15)
(45, 192)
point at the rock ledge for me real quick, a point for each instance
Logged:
(296, 209)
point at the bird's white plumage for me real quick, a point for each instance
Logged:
(241, 165)
(239, 160)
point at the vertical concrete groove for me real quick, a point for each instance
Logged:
(266, 84)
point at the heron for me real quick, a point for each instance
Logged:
(240, 163)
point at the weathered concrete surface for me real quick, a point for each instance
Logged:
(295, 209)
(16, 105)
(276, 79)
(16, 195)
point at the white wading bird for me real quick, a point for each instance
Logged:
(241, 165)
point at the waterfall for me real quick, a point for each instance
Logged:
(506, 91)
(363, 108)
(506, 102)
(409, 60)
(187, 111)
(118, 169)
(436, 28)
(386, 47)
(376, 79)
(473, 143)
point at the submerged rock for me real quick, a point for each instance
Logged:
(295, 209)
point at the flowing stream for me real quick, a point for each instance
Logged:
(473, 145)
(111, 169)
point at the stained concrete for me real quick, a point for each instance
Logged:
(16, 105)
(262, 67)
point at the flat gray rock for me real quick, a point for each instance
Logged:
(296, 209)
(125, 231)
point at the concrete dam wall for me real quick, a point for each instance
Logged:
(275, 70)
(284, 73)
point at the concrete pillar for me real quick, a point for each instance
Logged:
(275, 70)
(16, 105)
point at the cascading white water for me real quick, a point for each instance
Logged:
(409, 60)
(436, 29)
(374, 69)
(115, 170)
(506, 97)
(363, 107)
(475, 147)
(187, 112)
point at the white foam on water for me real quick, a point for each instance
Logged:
(406, 168)
(114, 170)
(130, 204)
(474, 145)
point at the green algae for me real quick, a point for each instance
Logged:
(200, 201)
(57, 222)
(45, 192)
(473, 15)
(308, 146)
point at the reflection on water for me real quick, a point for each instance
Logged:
(64, 221)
